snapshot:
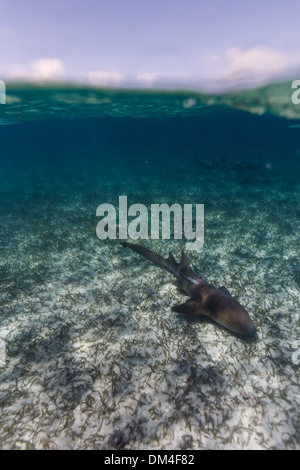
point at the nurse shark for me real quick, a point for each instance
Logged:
(205, 299)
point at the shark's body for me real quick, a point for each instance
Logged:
(205, 299)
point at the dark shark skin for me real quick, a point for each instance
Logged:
(205, 299)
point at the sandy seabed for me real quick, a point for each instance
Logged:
(95, 359)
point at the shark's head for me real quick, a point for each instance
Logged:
(234, 317)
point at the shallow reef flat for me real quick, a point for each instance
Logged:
(95, 359)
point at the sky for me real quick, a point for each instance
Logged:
(149, 42)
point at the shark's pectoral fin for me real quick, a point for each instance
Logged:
(223, 288)
(190, 306)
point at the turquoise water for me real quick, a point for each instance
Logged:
(93, 356)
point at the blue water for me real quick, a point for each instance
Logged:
(61, 286)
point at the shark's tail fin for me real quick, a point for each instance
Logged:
(181, 269)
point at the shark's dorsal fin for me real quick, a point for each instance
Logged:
(171, 258)
(181, 269)
(184, 262)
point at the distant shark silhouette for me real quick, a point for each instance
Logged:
(224, 163)
(205, 299)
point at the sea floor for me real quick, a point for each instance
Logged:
(94, 356)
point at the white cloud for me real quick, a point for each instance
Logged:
(236, 67)
(47, 69)
(104, 78)
(255, 63)
(39, 70)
